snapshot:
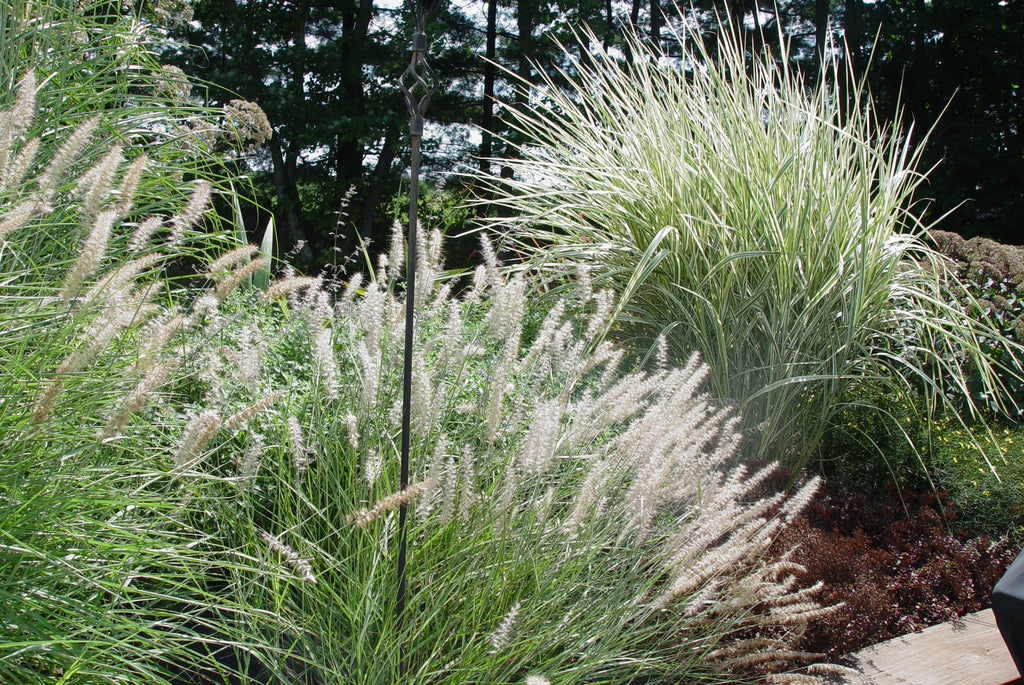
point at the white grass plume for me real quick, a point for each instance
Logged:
(90, 255)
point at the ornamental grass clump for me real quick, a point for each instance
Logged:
(738, 212)
(570, 519)
(104, 574)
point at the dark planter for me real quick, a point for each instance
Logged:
(1008, 606)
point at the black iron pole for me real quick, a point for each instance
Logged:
(417, 86)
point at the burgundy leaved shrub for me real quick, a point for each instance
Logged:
(896, 569)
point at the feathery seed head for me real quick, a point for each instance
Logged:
(467, 482)
(130, 183)
(250, 461)
(352, 429)
(198, 433)
(422, 400)
(605, 300)
(222, 266)
(372, 466)
(478, 289)
(248, 356)
(19, 118)
(301, 567)
(452, 347)
(802, 498)
(502, 635)
(14, 172)
(115, 285)
(287, 286)
(364, 517)
(450, 493)
(490, 264)
(538, 451)
(348, 295)
(198, 203)
(95, 184)
(62, 159)
(243, 416)
(369, 374)
(14, 123)
(300, 453)
(396, 252)
(327, 367)
(138, 396)
(17, 216)
(236, 277)
(91, 254)
(143, 233)
(434, 474)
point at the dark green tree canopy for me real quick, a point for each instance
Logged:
(326, 75)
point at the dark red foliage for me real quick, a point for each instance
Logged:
(897, 570)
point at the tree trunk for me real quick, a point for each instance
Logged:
(524, 23)
(286, 160)
(487, 116)
(852, 29)
(821, 30)
(610, 22)
(385, 160)
(852, 32)
(289, 212)
(657, 19)
(755, 13)
(348, 160)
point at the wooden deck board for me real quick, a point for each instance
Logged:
(970, 652)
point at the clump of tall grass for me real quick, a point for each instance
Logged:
(103, 576)
(741, 213)
(570, 518)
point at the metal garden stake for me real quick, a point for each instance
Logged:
(417, 85)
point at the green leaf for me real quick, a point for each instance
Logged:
(261, 279)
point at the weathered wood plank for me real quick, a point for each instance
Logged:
(969, 652)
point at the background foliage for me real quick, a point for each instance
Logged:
(327, 78)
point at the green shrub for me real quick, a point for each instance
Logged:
(742, 215)
(936, 453)
(983, 502)
(877, 423)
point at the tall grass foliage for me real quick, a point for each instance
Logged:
(102, 571)
(571, 521)
(741, 213)
(199, 483)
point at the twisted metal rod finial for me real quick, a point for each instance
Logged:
(417, 83)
